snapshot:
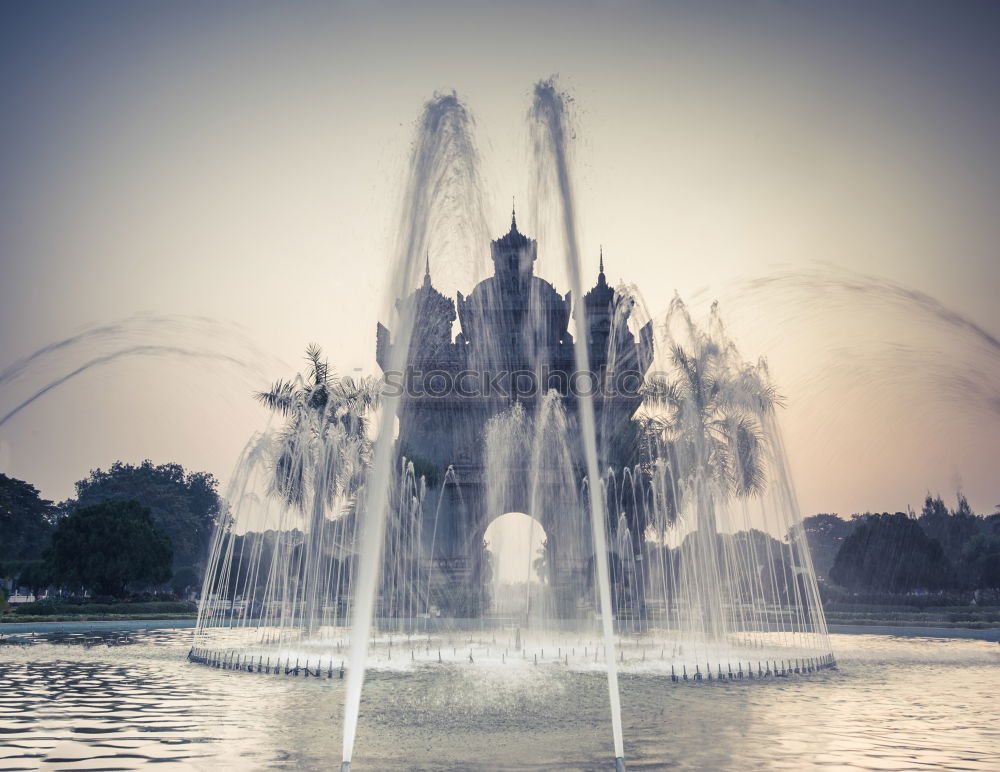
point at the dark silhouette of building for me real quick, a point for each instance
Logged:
(513, 348)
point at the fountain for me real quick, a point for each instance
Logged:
(646, 450)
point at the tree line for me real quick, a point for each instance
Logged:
(129, 528)
(141, 526)
(938, 549)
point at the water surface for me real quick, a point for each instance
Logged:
(79, 701)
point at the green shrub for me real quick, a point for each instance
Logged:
(96, 609)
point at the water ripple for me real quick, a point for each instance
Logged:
(894, 704)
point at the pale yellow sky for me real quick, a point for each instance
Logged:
(243, 162)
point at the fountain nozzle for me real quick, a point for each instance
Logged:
(619, 764)
(346, 766)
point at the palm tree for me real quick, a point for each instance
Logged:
(318, 405)
(709, 418)
(323, 394)
(322, 455)
(703, 428)
(541, 563)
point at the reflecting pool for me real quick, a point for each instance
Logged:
(124, 700)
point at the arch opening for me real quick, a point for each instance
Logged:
(517, 556)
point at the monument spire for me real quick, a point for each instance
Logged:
(427, 269)
(600, 271)
(513, 215)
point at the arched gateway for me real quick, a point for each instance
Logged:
(511, 368)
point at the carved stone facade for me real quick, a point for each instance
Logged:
(512, 347)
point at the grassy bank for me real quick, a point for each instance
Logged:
(94, 612)
(12, 618)
(958, 617)
(968, 617)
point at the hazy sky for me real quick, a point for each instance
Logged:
(226, 177)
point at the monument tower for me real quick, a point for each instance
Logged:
(513, 348)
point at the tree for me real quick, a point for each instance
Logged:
(713, 409)
(954, 530)
(35, 576)
(825, 534)
(981, 562)
(890, 553)
(321, 407)
(184, 580)
(541, 563)
(321, 461)
(184, 505)
(107, 546)
(26, 520)
(716, 406)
